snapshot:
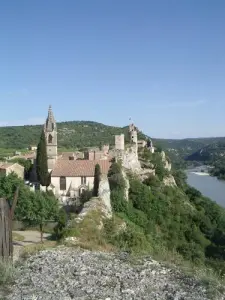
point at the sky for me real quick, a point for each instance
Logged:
(160, 63)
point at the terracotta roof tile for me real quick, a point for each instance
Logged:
(77, 168)
(5, 166)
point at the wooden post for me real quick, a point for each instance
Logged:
(5, 230)
(6, 216)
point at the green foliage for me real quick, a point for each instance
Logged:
(74, 134)
(59, 229)
(118, 202)
(6, 272)
(34, 208)
(85, 196)
(117, 187)
(41, 162)
(96, 180)
(115, 176)
(177, 219)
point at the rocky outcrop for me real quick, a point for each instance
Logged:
(169, 181)
(104, 192)
(101, 203)
(68, 273)
(130, 161)
(127, 183)
(167, 164)
(94, 204)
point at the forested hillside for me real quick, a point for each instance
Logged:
(87, 133)
(74, 134)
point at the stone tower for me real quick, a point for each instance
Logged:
(134, 138)
(50, 130)
(133, 133)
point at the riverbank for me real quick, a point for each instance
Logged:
(201, 173)
(209, 186)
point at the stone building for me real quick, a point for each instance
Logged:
(97, 154)
(119, 142)
(70, 178)
(50, 130)
(7, 168)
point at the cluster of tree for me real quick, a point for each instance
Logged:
(176, 218)
(218, 169)
(33, 208)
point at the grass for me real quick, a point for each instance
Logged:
(6, 272)
(17, 237)
(35, 248)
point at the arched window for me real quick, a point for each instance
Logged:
(62, 183)
(50, 139)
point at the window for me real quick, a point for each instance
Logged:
(62, 183)
(50, 139)
(83, 180)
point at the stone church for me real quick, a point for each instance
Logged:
(73, 172)
(69, 176)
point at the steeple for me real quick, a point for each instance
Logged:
(50, 124)
(51, 138)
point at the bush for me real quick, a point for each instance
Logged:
(6, 272)
(60, 227)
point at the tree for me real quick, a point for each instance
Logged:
(61, 225)
(34, 208)
(44, 208)
(42, 162)
(96, 180)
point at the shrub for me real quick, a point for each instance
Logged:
(6, 272)
(60, 227)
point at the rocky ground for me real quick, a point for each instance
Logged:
(68, 273)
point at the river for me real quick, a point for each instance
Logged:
(209, 186)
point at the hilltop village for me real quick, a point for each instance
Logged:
(103, 202)
(73, 172)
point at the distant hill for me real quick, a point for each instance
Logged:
(73, 134)
(209, 153)
(79, 134)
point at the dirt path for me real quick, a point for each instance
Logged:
(30, 237)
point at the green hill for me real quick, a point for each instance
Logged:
(73, 134)
(209, 153)
(79, 134)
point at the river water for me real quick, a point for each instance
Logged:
(209, 186)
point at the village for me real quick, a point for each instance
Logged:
(72, 173)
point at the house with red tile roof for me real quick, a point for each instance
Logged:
(71, 177)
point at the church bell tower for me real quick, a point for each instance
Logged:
(50, 130)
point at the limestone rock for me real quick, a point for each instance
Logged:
(130, 161)
(145, 173)
(104, 192)
(167, 164)
(127, 183)
(169, 181)
(73, 273)
(94, 204)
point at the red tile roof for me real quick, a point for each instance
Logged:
(5, 166)
(77, 168)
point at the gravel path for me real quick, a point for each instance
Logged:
(30, 237)
(68, 273)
